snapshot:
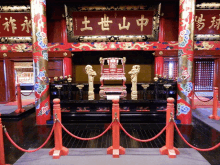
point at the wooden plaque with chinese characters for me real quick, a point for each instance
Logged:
(15, 24)
(207, 24)
(114, 24)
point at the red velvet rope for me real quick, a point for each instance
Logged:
(29, 151)
(140, 140)
(199, 149)
(29, 93)
(200, 99)
(80, 138)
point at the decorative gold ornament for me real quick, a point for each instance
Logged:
(167, 86)
(61, 77)
(155, 79)
(80, 86)
(65, 54)
(161, 53)
(145, 86)
(5, 55)
(153, 53)
(55, 78)
(3, 47)
(69, 79)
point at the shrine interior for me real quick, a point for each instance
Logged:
(93, 66)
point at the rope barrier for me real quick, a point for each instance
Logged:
(29, 93)
(80, 138)
(147, 140)
(202, 100)
(199, 149)
(29, 151)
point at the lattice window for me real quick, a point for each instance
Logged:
(204, 74)
(170, 69)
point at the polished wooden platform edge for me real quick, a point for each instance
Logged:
(28, 110)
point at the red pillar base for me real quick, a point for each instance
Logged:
(116, 152)
(170, 152)
(214, 117)
(20, 110)
(57, 153)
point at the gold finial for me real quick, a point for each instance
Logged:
(160, 52)
(55, 78)
(153, 53)
(155, 79)
(61, 77)
(145, 86)
(124, 60)
(69, 79)
(80, 86)
(101, 60)
(49, 80)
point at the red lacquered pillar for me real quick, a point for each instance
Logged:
(185, 54)
(159, 66)
(40, 60)
(67, 66)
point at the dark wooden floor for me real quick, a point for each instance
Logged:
(27, 135)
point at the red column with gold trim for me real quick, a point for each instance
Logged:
(158, 66)
(40, 59)
(67, 66)
(185, 55)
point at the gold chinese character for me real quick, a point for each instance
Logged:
(7, 24)
(215, 22)
(105, 23)
(124, 26)
(199, 22)
(140, 22)
(26, 24)
(86, 23)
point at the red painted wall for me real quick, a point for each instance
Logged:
(54, 23)
(9, 80)
(54, 28)
(171, 17)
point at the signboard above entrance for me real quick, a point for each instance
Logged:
(113, 23)
(207, 22)
(119, 24)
